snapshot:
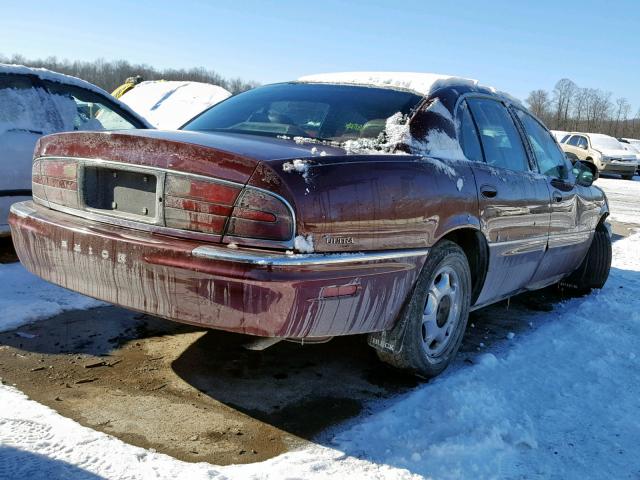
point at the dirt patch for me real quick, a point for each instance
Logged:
(194, 394)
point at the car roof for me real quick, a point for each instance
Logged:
(421, 83)
(44, 74)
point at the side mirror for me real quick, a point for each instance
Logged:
(586, 173)
(583, 146)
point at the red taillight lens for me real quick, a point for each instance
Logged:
(198, 205)
(260, 215)
(56, 181)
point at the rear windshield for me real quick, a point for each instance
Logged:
(324, 112)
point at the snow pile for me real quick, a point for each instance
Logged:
(297, 165)
(397, 133)
(304, 244)
(170, 104)
(26, 298)
(423, 83)
(22, 110)
(561, 402)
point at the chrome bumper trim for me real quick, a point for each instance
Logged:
(265, 259)
(23, 209)
(298, 260)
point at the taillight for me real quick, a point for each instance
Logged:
(56, 181)
(232, 212)
(198, 205)
(260, 215)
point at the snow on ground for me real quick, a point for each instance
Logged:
(558, 402)
(170, 104)
(624, 198)
(26, 298)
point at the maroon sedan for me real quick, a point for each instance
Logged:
(322, 207)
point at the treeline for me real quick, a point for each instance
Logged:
(572, 108)
(109, 74)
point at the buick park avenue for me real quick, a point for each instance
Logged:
(382, 204)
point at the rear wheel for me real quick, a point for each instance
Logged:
(436, 316)
(594, 269)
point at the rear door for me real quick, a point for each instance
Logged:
(574, 213)
(513, 199)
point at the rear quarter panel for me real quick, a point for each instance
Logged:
(377, 202)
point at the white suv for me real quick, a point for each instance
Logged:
(602, 150)
(36, 102)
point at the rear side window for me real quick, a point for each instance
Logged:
(551, 161)
(500, 138)
(564, 139)
(574, 140)
(86, 110)
(22, 108)
(469, 135)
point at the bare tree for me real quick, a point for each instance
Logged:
(622, 112)
(109, 74)
(538, 102)
(563, 94)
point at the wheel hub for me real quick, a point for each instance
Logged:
(441, 312)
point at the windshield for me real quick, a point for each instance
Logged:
(606, 143)
(320, 111)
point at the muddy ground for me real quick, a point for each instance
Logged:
(198, 395)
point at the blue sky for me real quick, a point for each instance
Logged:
(512, 45)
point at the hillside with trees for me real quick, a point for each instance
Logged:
(109, 74)
(573, 108)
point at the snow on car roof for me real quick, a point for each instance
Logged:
(170, 104)
(422, 83)
(52, 76)
(45, 74)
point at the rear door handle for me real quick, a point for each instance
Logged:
(488, 191)
(557, 197)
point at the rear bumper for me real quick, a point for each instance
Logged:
(240, 290)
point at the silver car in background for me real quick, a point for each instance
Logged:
(37, 102)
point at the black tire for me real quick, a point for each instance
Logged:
(594, 269)
(628, 177)
(445, 258)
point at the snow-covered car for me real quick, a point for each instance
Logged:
(168, 105)
(36, 102)
(381, 204)
(634, 146)
(605, 152)
(635, 143)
